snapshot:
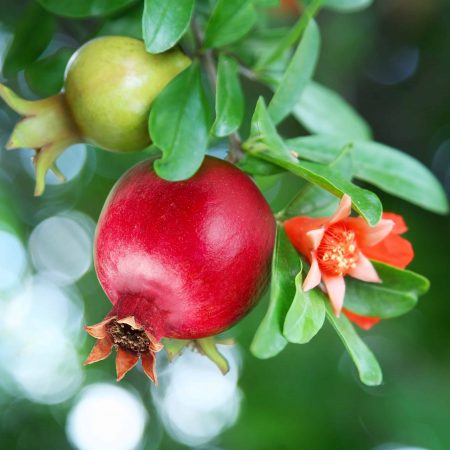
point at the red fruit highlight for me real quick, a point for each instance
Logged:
(182, 260)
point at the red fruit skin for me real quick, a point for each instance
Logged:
(187, 259)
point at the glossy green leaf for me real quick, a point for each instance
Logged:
(316, 202)
(347, 5)
(368, 368)
(229, 98)
(165, 22)
(31, 37)
(396, 295)
(323, 111)
(305, 316)
(268, 58)
(230, 21)
(297, 75)
(255, 166)
(128, 23)
(286, 264)
(265, 143)
(389, 169)
(179, 122)
(84, 8)
(46, 76)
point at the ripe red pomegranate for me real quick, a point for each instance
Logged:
(182, 260)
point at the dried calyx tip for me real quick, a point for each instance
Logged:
(129, 338)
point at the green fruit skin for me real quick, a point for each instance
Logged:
(110, 84)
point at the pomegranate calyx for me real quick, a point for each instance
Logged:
(206, 346)
(131, 341)
(47, 127)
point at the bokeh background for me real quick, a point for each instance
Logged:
(392, 62)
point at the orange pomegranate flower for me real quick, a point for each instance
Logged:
(342, 245)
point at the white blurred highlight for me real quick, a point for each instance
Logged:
(106, 417)
(13, 260)
(40, 324)
(61, 247)
(196, 402)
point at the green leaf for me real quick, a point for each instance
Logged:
(255, 166)
(165, 22)
(286, 264)
(46, 76)
(323, 111)
(229, 98)
(389, 169)
(305, 316)
(396, 295)
(347, 5)
(277, 52)
(315, 202)
(229, 22)
(31, 37)
(297, 74)
(265, 143)
(84, 8)
(368, 368)
(179, 122)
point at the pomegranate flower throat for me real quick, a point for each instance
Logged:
(341, 245)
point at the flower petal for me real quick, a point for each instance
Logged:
(148, 364)
(400, 225)
(366, 235)
(313, 278)
(336, 291)
(364, 322)
(125, 361)
(296, 230)
(364, 270)
(99, 330)
(393, 250)
(343, 211)
(315, 237)
(101, 350)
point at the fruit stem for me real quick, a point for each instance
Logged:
(47, 127)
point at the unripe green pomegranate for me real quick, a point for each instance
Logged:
(110, 84)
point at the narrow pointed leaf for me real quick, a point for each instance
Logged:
(229, 98)
(368, 368)
(229, 22)
(305, 316)
(179, 122)
(297, 75)
(387, 168)
(396, 295)
(286, 264)
(265, 143)
(165, 22)
(323, 111)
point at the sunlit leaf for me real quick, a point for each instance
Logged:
(347, 5)
(286, 264)
(265, 143)
(389, 169)
(165, 22)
